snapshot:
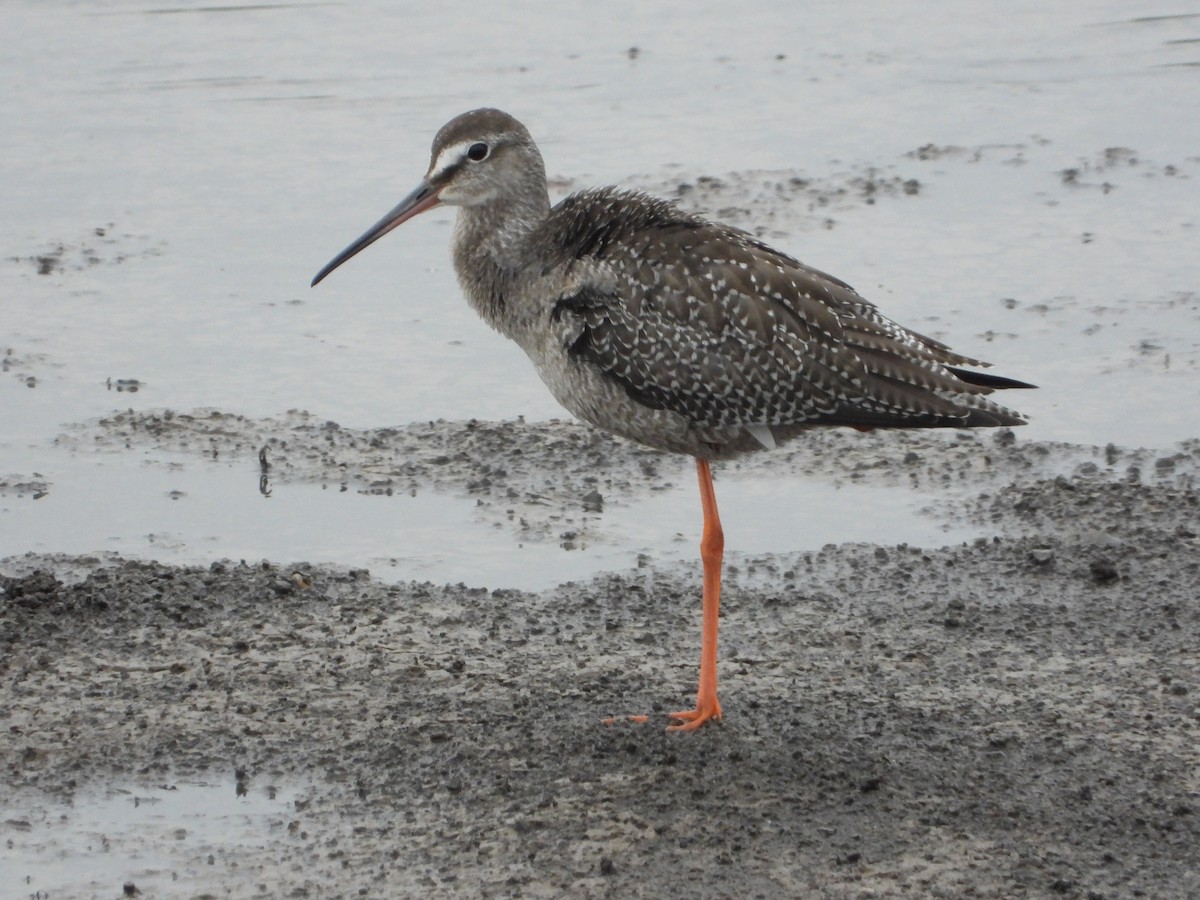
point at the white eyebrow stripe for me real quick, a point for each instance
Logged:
(450, 156)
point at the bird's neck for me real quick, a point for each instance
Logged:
(494, 259)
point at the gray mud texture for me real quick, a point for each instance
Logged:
(1015, 717)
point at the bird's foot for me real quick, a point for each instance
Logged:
(706, 708)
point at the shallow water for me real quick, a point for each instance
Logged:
(159, 838)
(173, 190)
(177, 511)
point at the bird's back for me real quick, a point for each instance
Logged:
(707, 322)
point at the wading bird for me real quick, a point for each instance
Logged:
(680, 333)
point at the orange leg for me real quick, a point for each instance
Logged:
(712, 548)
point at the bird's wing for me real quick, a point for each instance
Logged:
(711, 323)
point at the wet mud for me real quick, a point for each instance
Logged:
(1012, 717)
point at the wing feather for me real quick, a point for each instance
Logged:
(708, 322)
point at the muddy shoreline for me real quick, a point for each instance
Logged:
(1016, 716)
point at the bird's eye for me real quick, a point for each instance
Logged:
(478, 152)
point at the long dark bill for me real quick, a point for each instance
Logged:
(423, 198)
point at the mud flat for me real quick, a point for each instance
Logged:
(1015, 716)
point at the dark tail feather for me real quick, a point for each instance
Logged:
(991, 418)
(983, 379)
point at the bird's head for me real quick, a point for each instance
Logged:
(481, 157)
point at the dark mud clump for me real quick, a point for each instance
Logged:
(774, 203)
(101, 246)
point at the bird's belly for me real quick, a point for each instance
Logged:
(598, 400)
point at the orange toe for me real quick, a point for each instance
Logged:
(706, 709)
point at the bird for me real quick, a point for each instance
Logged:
(674, 331)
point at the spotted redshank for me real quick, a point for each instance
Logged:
(677, 332)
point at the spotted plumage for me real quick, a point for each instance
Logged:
(674, 331)
(707, 322)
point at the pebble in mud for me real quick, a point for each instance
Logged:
(1041, 556)
(1103, 571)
